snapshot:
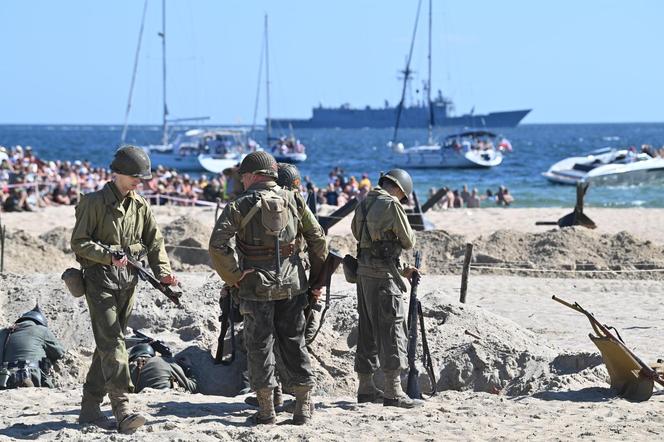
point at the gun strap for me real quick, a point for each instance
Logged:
(10, 330)
(426, 354)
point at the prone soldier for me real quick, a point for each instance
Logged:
(272, 285)
(121, 220)
(29, 349)
(151, 371)
(382, 231)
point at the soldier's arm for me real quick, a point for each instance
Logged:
(81, 237)
(315, 237)
(154, 242)
(52, 346)
(188, 384)
(355, 225)
(221, 252)
(401, 227)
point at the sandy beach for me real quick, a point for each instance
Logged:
(526, 371)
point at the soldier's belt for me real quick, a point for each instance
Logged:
(265, 252)
(22, 364)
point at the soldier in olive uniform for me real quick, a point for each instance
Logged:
(381, 228)
(28, 350)
(117, 217)
(151, 371)
(265, 222)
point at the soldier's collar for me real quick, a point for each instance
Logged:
(113, 197)
(263, 185)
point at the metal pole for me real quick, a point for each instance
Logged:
(267, 85)
(464, 273)
(164, 136)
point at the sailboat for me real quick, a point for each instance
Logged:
(468, 149)
(194, 149)
(285, 149)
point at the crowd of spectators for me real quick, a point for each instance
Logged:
(456, 199)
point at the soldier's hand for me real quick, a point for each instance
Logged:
(169, 280)
(244, 273)
(122, 262)
(316, 293)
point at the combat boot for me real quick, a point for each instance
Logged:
(276, 394)
(91, 412)
(394, 395)
(127, 421)
(265, 413)
(367, 390)
(304, 406)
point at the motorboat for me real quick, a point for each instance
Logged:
(225, 148)
(469, 149)
(289, 150)
(609, 167)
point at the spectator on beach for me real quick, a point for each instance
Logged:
(465, 195)
(473, 200)
(503, 197)
(458, 201)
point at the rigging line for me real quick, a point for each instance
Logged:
(133, 75)
(258, 84)
(406, 72)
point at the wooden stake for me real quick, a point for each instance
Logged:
(464, 273)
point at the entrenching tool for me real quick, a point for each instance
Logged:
(577, 217)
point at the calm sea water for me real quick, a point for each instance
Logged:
(536, 147)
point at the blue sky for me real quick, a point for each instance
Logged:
(70, 61)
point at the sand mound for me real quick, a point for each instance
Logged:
(26, 254)
(187, 244)
(59, 237)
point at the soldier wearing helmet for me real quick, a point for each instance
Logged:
(118, 217)
(382, 231)
(28, 350)
(151, 371)
(266, 268)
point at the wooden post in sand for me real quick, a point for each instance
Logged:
(464, 273)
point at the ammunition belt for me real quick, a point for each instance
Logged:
(266, 252)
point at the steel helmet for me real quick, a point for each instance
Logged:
(132, 161)
(288, 176)
(401, 178)
(141, 350)
(259, 163)
(35, 315)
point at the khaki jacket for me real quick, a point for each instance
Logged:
(122, 223)
(264, 284)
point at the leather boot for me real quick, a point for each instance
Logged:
(394, 395)
(277, 396)
(91, 412)
(367, 390)
(127, 421)
(265, 414)
(304, 406)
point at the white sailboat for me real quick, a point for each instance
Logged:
(470, 149)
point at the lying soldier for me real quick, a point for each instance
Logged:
(150, 371)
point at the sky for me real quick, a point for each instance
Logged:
(70, 61)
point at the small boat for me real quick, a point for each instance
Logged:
(225, 148)
(288, 150)
(608, 166)
(470, 149)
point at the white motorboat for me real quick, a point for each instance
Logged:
(608, 166)
(288, 150)
(470, 149)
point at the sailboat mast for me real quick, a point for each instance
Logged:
(164, 135)
(267, 85)
(429, 106)
(133, 74)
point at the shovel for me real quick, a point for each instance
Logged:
(577, 217)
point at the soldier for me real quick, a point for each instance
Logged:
(150, 371)
(382, 230)
(29, 349)
(115, 216)
(268, 272)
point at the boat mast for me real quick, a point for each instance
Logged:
(406, 73)
(133, 75)
(162, 34)
(267, 85)
(429, 106)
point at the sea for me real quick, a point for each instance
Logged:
(535, 148)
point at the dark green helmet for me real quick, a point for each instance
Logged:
(35, 315)
(141, 351)
(259, 163)
(132, 161)
(401, 178)
(288, 176)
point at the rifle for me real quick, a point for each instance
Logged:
(156, 344)
(415, 313)
(145, 274)
(332, 262)
(225, 303)
(604, 330)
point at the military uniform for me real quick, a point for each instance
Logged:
(271, 302)
(30, 345)
(123, 223)
(160, 373)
